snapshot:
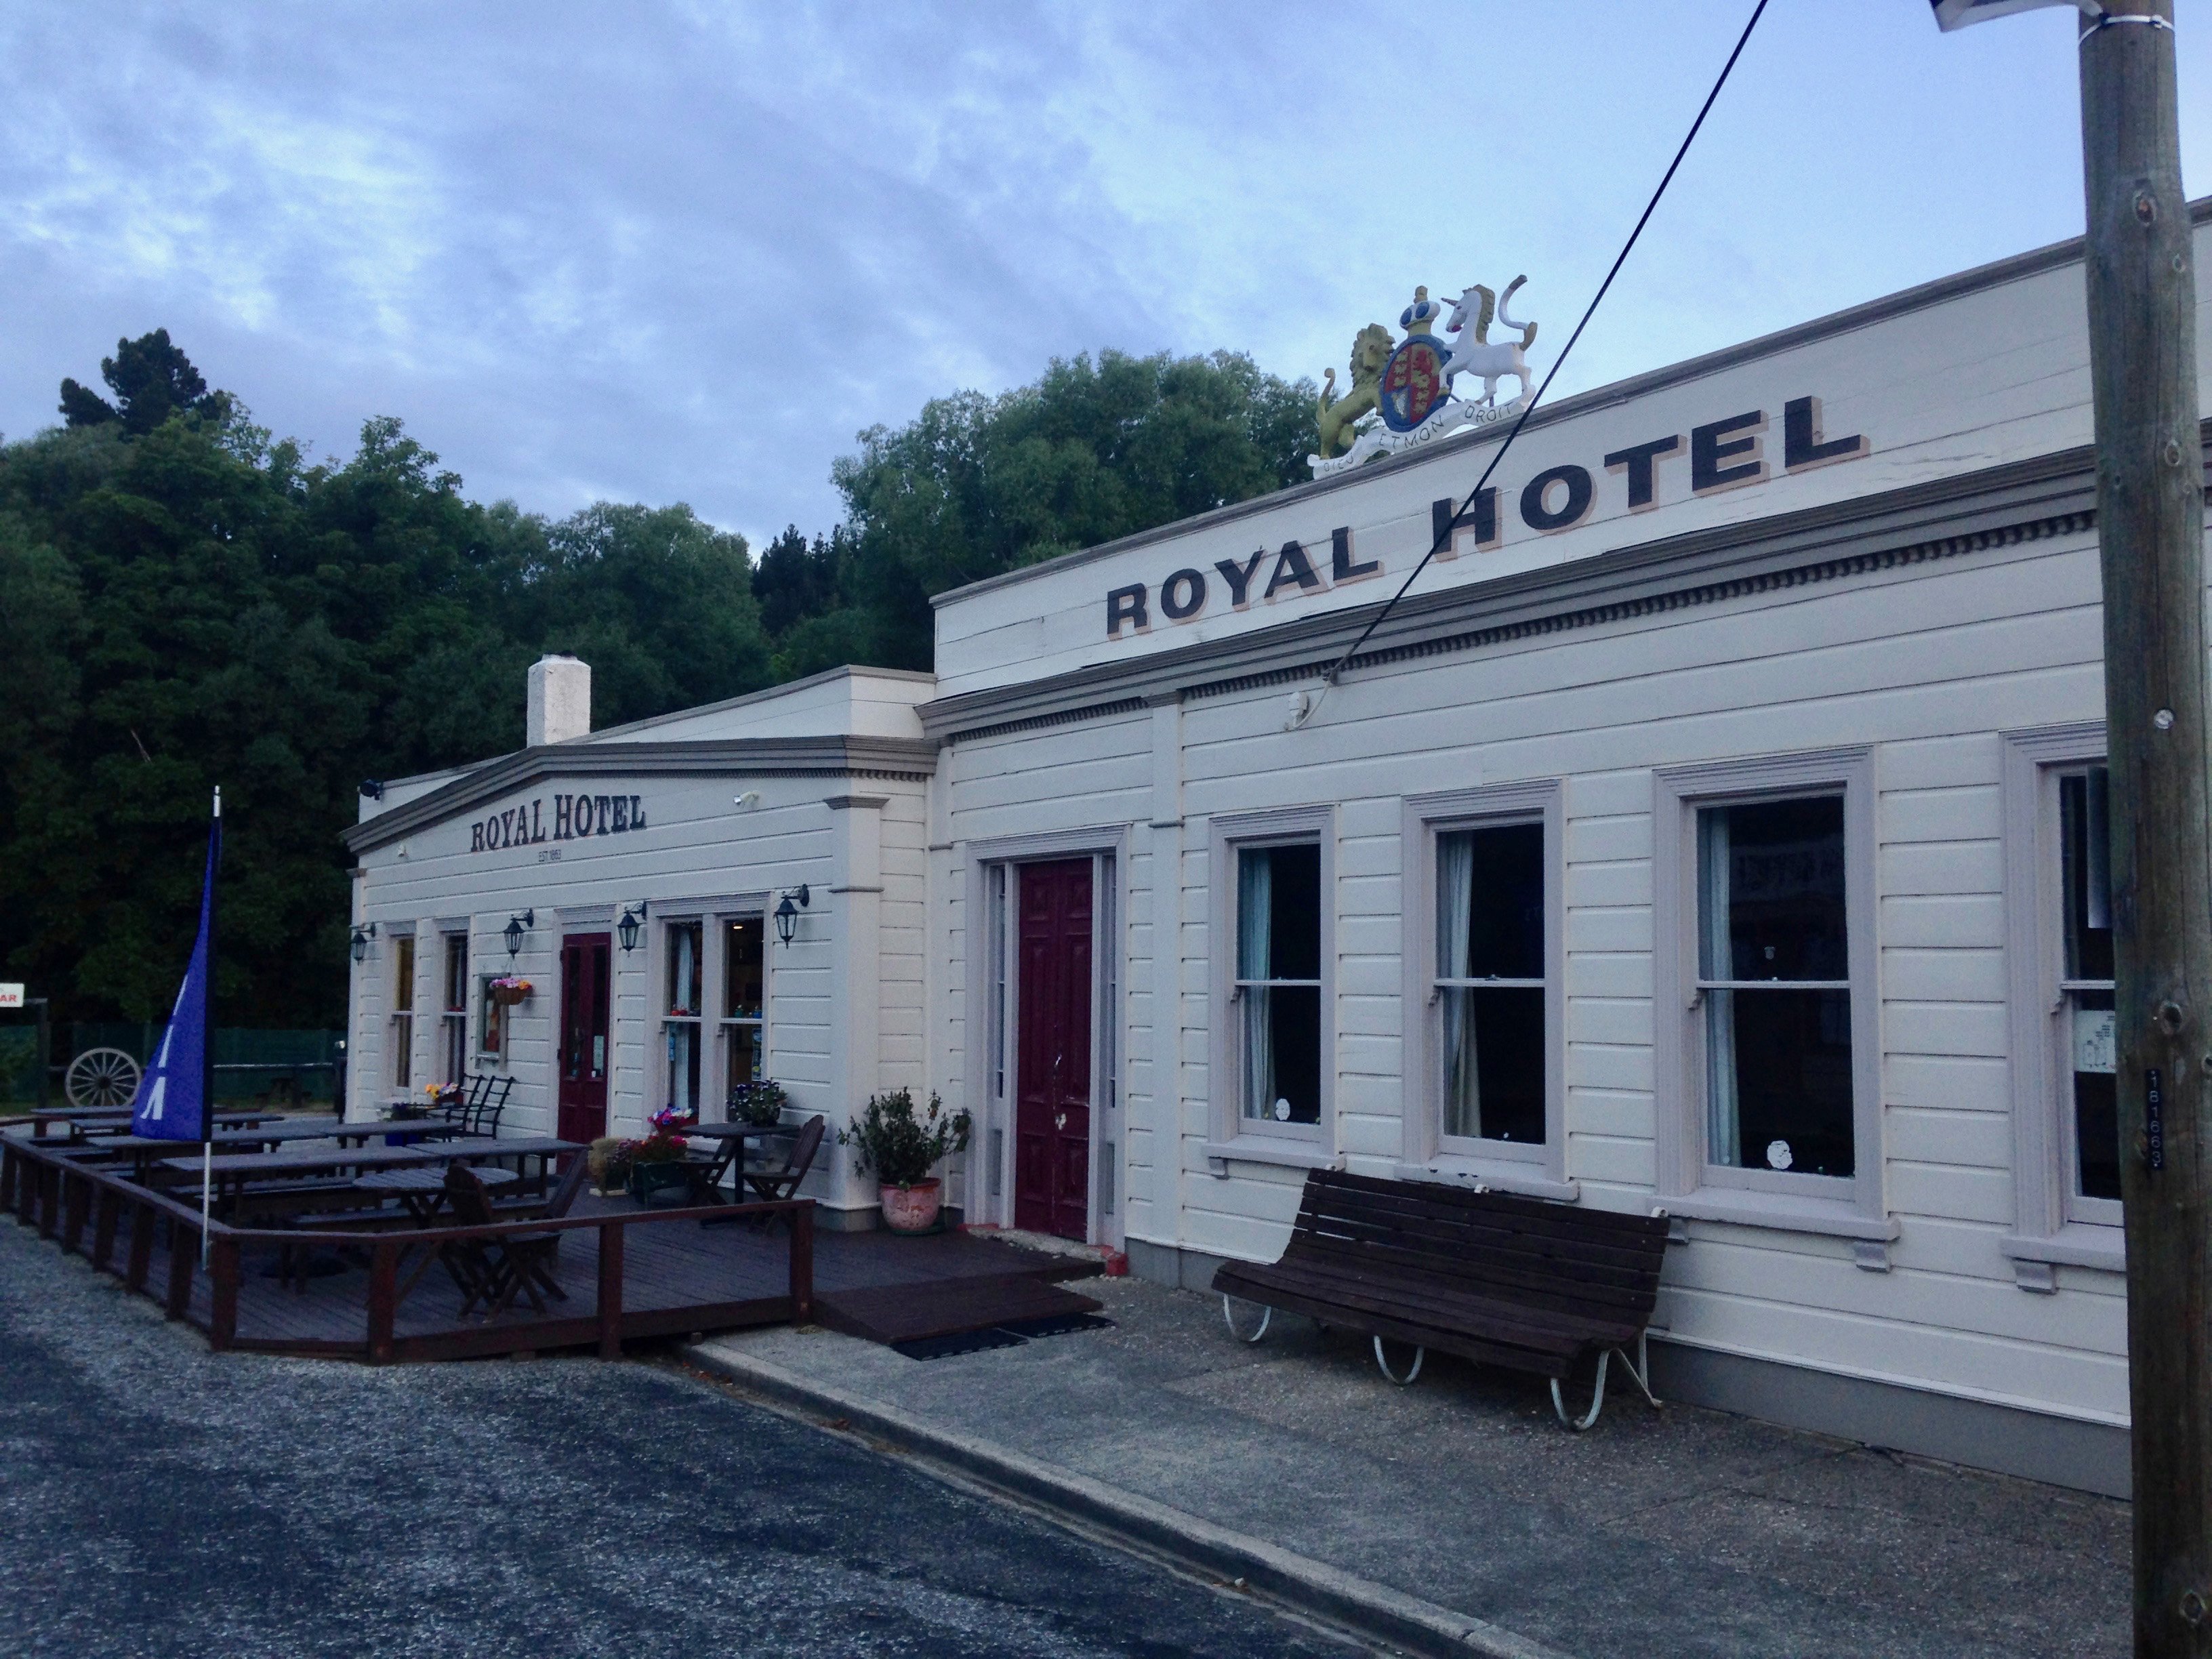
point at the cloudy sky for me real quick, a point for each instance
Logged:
(686, 250)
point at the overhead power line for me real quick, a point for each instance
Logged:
(1445, 533)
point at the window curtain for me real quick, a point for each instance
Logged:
(1716, 961)
(1462, 1101)
(1255, 946)
(683, 972)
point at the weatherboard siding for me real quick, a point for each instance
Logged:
(1069, 779)
(1927, 664)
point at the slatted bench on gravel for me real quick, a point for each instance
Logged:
(1492, 1277)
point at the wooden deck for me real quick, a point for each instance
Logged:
(629, 1274)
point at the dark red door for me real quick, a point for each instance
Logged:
(583, 1046)
(1051, 1110)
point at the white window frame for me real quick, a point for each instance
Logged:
(664, 931)
(494, 1024)
(725, 1024)
(1688, 1183)
(1428, 1153)
(1236, 1137)
(406, 947)
(453, 1022)
(2052, 1227)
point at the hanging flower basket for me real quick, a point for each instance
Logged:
(507, 993)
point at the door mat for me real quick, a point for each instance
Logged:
(1059, 1325)
(949, 1347)
(1001, 1336)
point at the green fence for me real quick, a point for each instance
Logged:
(19, 1063)
(249, 1065)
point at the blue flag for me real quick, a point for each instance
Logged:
(173, 1101)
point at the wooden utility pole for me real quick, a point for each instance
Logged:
(2150, 531)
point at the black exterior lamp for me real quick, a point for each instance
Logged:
(787, 913)
(517, 926)
(626, 929)
(361, 935)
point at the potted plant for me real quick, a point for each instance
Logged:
(760, 1101)
(656, 1162)
(507, 990)
(407, 1111)
(900, 1146)
(609, 1163)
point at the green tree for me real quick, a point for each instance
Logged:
(185, 601)
(658, 602)
(151, 381)
(194, 605)
(974, 485)
(793, 580)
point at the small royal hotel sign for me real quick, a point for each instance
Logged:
(574, 818)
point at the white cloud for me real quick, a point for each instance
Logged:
(686, 252)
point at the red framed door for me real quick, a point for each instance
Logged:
(1052, 1106)
(585, 1047)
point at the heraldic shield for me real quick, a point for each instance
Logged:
(1413, 384)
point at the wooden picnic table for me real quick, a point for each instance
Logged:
(423, 1190)
(235, 1171)
(82, 1120)
(144, 1151)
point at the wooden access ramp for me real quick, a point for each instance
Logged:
(893, 1289)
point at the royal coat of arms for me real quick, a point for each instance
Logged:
(1402, 391)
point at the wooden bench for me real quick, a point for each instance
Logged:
(1494, 1278)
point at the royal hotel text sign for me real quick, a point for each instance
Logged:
(1721, 455)
(574, 817)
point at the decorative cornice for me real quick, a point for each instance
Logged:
(2021, 499)
(1710, 594)
(1098, 711)
(758, 758)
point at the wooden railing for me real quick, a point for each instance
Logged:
(63, 1197)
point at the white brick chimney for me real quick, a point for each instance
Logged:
(559, 700)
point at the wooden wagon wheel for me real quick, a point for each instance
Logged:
(101, 1077)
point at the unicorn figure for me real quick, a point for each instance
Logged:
(1487, 363)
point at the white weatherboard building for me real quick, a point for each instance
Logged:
(1717, 830)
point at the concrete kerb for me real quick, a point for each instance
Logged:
(1299, 1583)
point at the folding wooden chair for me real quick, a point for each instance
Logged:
(524, 1261)
(771, 1186)
(470, 1261)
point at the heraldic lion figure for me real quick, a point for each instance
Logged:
(1370, 350)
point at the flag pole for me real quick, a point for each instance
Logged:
(207, 1052)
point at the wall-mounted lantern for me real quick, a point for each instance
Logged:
(371, 789)
(787, 913)
(516, 928)
(626, 929)
(361, 935)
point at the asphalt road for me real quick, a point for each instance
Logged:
(158, 1499)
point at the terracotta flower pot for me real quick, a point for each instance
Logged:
(912, 1209)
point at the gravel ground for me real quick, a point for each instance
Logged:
(159, 1499)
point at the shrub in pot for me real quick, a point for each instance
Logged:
(760, 1101)
(900, 1143)
(609, 1163)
